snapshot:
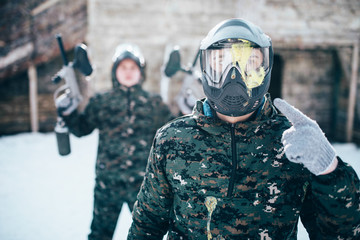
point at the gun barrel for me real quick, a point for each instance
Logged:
(62, 51)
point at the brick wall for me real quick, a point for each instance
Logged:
(311, 38)
(153, 25)
(306, 35)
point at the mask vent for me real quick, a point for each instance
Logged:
(256, 103)
(234, 100)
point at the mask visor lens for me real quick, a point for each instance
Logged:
(252, 62)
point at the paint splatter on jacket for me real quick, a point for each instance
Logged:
(207, 179)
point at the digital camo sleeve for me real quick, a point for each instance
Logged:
(332, 205)
(82, 124)
(152, 208)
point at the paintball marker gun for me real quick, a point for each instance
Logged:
(191, 89)
(68, 97)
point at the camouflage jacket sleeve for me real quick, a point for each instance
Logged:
(331, 208)
(81, 124)
(153, 206)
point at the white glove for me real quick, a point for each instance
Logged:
(305, 142)
(65, 105)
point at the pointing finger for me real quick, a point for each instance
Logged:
(295, 116)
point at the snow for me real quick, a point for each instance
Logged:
(45, 196)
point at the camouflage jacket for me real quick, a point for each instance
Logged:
(127, 120)
(207, 179)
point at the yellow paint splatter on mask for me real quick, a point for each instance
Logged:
(240, 53)
(255, 78)
(210, 203)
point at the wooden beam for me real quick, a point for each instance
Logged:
(17, 54)
(42, 7)
(34, 118)
(352, 94)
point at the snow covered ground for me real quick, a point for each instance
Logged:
(45, 196)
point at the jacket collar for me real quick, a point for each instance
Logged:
(208, 121)
(134, 88)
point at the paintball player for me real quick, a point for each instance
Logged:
(127, 118)
(239, 167)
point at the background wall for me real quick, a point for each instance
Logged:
(313, 42)
(27, 38)
(290, 24)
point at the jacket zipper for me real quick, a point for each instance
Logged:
(234, 161)
(128, 102)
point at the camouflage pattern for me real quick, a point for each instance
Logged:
(127, 120)
(207, 179)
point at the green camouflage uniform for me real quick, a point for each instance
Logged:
(207, 179)
(127, 119)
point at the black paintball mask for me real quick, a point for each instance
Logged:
(236, 60)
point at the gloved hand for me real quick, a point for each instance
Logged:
(64, 105)
(305, 142)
